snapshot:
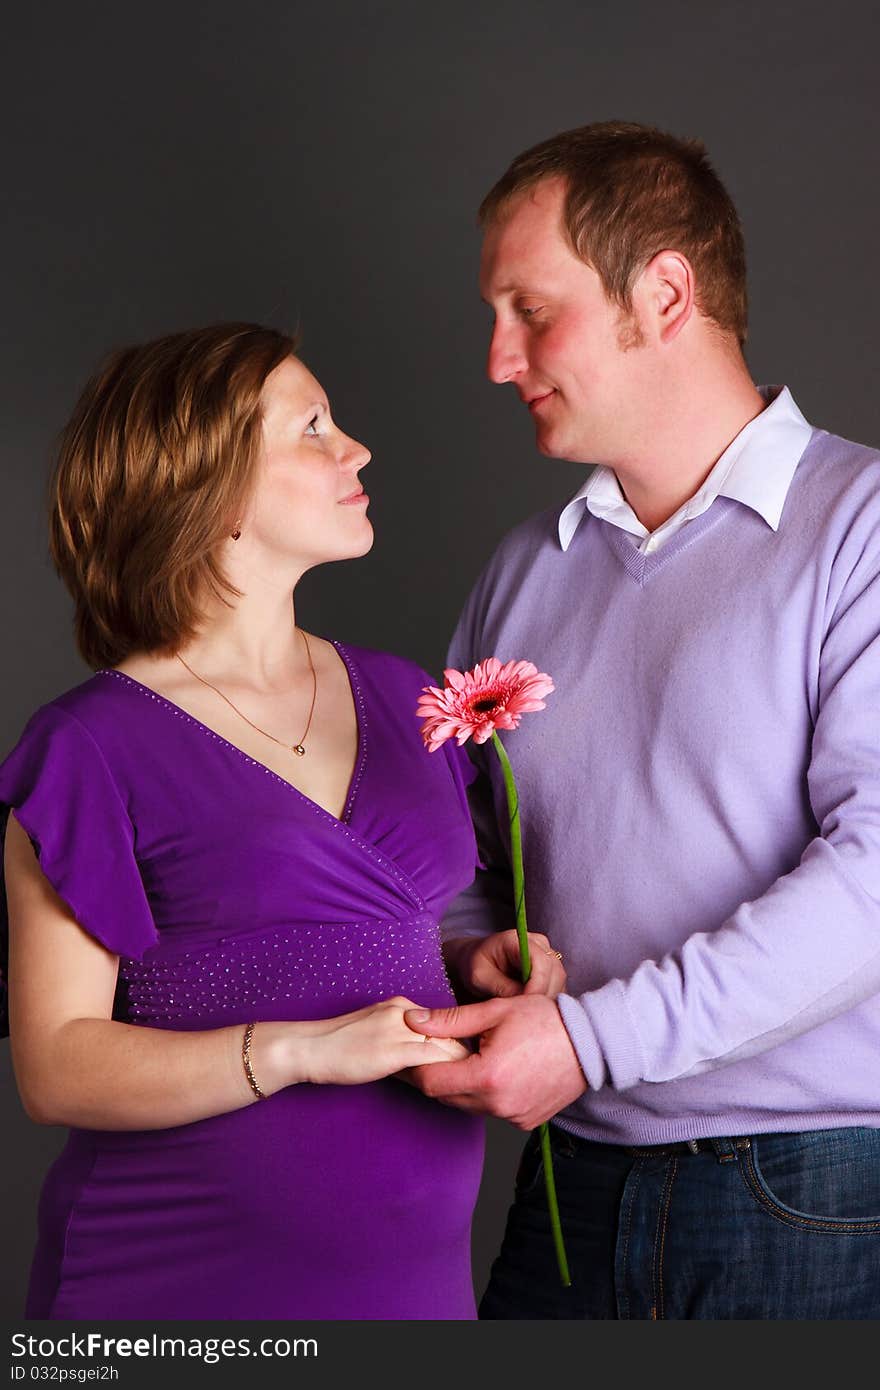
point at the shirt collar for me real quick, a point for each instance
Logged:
(756, 469)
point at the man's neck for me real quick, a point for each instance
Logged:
(685, 441)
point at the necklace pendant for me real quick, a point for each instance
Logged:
(298, 750)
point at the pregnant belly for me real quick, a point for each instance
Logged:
(318, 1202)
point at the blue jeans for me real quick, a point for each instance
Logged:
(767, 1226)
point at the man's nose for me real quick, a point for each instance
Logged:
(506, 359)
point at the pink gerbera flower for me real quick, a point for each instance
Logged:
(473, 704)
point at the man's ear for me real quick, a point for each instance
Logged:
(665, 292)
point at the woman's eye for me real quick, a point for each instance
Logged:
(311, 426)
(527, 310)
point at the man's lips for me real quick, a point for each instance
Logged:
(354, 498)
(535, 402)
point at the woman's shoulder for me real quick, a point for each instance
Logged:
(94, 703)
(392, 673)
(85, 718)
(64, 793)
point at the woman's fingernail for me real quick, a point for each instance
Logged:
(418, 1015)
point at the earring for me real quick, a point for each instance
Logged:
(237, 532)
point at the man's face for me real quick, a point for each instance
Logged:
(571, 354)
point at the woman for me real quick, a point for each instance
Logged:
(226, 857)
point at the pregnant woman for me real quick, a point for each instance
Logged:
(226, 856)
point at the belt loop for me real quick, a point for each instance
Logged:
(725, 1151)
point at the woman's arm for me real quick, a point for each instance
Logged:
(76, 1066)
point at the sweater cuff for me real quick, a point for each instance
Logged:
(611, 1023)
(583, 1040)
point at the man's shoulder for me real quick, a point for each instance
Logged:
(840, 465)
(835, 491)
(832, 511)
(524, 540)
(523, 561)
(525, 555)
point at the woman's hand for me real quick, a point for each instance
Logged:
(77, 1066)
(487, 966)
(366, 1045)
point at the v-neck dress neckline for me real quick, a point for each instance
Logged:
(360, 717)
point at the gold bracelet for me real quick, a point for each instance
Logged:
(246, 1058)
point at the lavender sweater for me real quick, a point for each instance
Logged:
(701, 804)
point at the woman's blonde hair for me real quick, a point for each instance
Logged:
(153, 470)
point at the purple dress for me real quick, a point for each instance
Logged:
(230, 896)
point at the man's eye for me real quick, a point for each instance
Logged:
(311, 426)
(528, 310)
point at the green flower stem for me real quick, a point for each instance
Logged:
(553, 1205)
(519, 883)
(519, 890)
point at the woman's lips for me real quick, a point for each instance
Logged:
(537, 401)
(356, 499)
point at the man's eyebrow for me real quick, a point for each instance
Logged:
(513, 287)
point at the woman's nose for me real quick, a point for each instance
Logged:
(355, 455)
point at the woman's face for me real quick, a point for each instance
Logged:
(307, 505)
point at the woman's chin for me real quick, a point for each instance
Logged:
(369, 537)
(364, 544)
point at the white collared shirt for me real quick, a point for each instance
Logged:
(756, 469)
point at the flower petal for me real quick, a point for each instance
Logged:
(474, 703)
(454, 678)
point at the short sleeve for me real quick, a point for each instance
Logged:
(57, 782)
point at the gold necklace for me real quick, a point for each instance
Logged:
(297, 748)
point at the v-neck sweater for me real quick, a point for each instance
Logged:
(700, 804)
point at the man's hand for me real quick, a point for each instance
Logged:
(525, 1071)
(484, 966)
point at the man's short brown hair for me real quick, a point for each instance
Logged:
(631, 191)
(153, 469)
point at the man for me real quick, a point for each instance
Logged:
(701, 796)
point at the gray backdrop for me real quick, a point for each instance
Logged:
(320, 165)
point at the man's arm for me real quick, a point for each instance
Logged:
(805, 951)
(809, 948)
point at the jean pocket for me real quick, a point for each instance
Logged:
(531, 1166)
(821, 1180)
